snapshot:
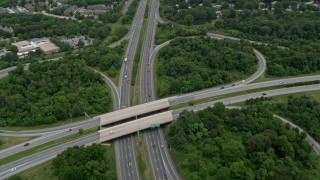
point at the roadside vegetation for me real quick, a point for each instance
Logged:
(295, 61)
(302, 110)
(220, 143)
(100, 56)
(91, 162)
(165, 32)
(190, 64)
(50, 92)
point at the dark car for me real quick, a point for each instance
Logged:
(222, 87)
(26, 144)
(263, 94)
(165, 176)
(233, 84)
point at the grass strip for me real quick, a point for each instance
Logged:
(137, 56)
(9, 141)
(45, 146)
(143, 159)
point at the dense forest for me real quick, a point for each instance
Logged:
(104, 58)
(291, 61)
(304, 111)
(220, 143)
(91, 162)
(188, 12)
(281, 24)
(28, 26)
(190, 64)
(52, 91)
(291, 24)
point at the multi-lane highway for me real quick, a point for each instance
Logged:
(43, 156)
(238, 87)
(242, 98)
(48, 136)
(126, 162)
(161, 162)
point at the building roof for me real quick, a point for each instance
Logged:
(29, 7)
(3, 10)
(40, 40)
(69, 10)
(24, 46)
(48, 47)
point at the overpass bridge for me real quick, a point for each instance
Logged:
(136, 118)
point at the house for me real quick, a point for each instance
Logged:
(24, 47)
(48, 48)
(97, 9)
(69, 10)
(42, 4)
(29, 7)
(3, 10)
(45, 45)
(262, 5)
(6, 29)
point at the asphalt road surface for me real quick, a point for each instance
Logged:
(162, 165)
(126, 6)
(242, 98)
(114, 90)
(126, 162)
(45, 138)
(236, 88)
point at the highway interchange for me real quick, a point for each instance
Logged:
(158, 151)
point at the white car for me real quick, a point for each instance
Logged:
(281, 82)
(13, 169)
(111, 132)
(125, 76)
(243, 81)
